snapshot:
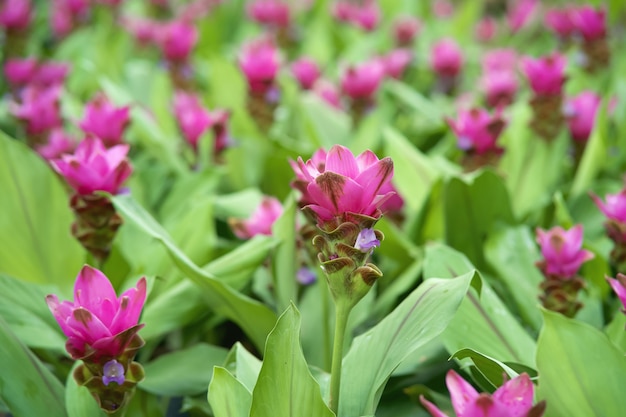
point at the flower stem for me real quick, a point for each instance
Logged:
(342, 312)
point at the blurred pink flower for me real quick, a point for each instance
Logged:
(614, 206)
(560, 21)
(486, 29)
(98, 321)
(500, 87)
(259, 60)
(619, 286)
(344, 185)
(67, 14)
(581, 111)
(15, 15)
(58, 143)
(360, 82)
(446, 58)
(405, 28)
(366, 15)
(20, 71)
(177, 39)
(589, 22)
(513, 399)
(51, 73)
(521, 13)
(343, 10)
(145, 31)
(260, 222)
(328, 92)
(269, 12)
(562, 251)
(397, 61)
(105, 121)
(193, 119)
(443, 8)
(546, 74)
(477, 131)
(306, 71)
(94, 168)
(500, 60)
(39, 109)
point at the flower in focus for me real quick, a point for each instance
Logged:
(105, 121)
(177, 40)
(261, 221)
(94, 168)
(97, 321)
(306, 71)
(58, 143)
(15, 15)
(360, 82)
(546, 74)
(513, 399)
(446, 58)
(259, 61)
(345, 185)
(581, 111)
(269, 12)
(589, 22)
(477, 131)
(562, 251)
(619, 286)
(405, 28)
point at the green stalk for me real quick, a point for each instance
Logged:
(342, 312)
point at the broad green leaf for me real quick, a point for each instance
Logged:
(23, 307)
(253, 317)
(322, 124)
(582, 373)
(422, 316)
(35, 220)
(27, 386)
(616, 330)
(227, 396)
(492, 369)
(183, 372)
(285, 386)
(78, 400)
(244, 365)
(285, 260)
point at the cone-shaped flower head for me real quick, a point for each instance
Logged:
(499, 60)
(582, 110)
(15, 14)
(486, 29)
(614, 206)
(94, 168)
(477, 131)
(590, 23)
(546, 75)
(261, 221)
(58, 143)
(405, 29)
(177, 40)
(51, 73)
(619, 286)
(500, 87)
(104, 120)
(560, 21)
(97, 321)
(259, 61)
(306, 71)
(344, 185)
(269, 12)
(446, 58)
(360, 82)
(562, 251)
(513, 399)
(193, 119)
(366, 15)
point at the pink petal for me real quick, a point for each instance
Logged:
(516, 395)
(87, 326)
(116, 155)
(61, 312)
(92, 288)
(114, 180)
(431, 408)
(462, 393)
(130, 306)
(373, 178)
(341, 161)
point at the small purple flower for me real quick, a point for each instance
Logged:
(113, 372)
(366, 240)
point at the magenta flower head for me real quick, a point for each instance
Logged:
(405, 29)
(546, 75)
(619, 286)
(360, 82)
(261, 221)
(58, 143)
(500, 60)
(344, 185)
(39, 109)
(51, 73)
(343, 10)
(397, 61)
(486, 29)
(328, 92)
(562, 251)
(521, 13)
(20, 71)
(500, 87)
(614, 206)
(306, 71)
(590, 23)
(513, 399)
(15, 15)
(560, 21)
(446, 58)
(193, 119)
(259, 61)
(477, 131)
(581, 111)
(269, 12)
(104, 120)
(177, 40)
(97, 323)
(94, 168)
(366, 15)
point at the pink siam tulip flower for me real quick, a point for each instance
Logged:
(261, 221)
(269, 12)
(94, 168)
(367, 15)
(397, 61)
(345, 185)
(97, 321)
(343, 10)
(582, 111)
(486, 29)
(260, 61)
(477, 131)
(562, 251)
(513, 399)
(67, 14)
(51, 73)
(521, 14)
(614, 206)
(500, 60)
(105, 121)
(20, 71)
(546, 74)
(328, 92)
(219, 119)
(619, 286)
(145, 31)
(560, 21)
(405, 29)
(443, 9)
(590, 23)
(446, 58)
(15, 15)
(500, 87)
(59, 143)
(395, 203)
(39, 109)
(360, 82)
(306, 71)
(177, 40)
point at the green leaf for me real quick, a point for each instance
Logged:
(35, 220)
(27, 386)
(284, 265)
(244, 365)
(253, 317)
(374, 355)
(582, 373)
(78, 400)
(285, 386)
(228, 397)
(492, 369)
(323, 124)
(183, 372)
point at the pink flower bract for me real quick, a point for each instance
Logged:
(562, 251)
